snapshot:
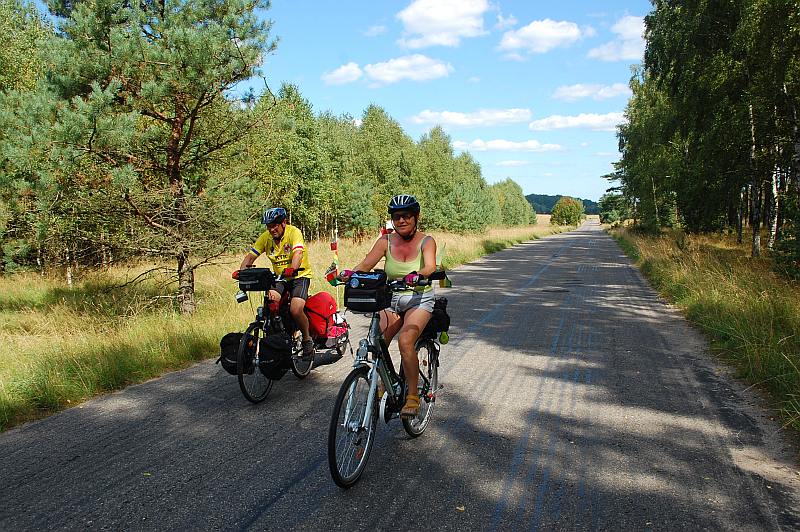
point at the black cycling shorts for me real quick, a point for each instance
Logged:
(297, 287)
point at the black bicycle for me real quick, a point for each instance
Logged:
(358, 406)
(272, 344)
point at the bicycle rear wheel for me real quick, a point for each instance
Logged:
(352, 429)
(427, 356)
(255, 385)
(301, 367)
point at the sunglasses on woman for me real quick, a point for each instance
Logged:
(404, 215)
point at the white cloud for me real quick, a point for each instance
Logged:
(596, 122)
(505, 145)
(374, 31)
(628, 45)
(513, 163)
(473, 79)
(344, 74)
(584, 144)
(442, 22)
(541, 36)
(629, 28)
(414, 67)
(571, 93)
(504, 23)
(483, 117)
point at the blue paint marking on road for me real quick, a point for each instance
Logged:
(531, 475)
(574, 338)
(547, 468)
(505, 302)
(519, 451)
(555, 512)
(547, 465)
(582, 503)
(500, 306)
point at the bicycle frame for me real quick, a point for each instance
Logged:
(381, 367)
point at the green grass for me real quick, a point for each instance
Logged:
(751, 315)
(60, 346)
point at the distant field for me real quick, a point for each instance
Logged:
(60, 345)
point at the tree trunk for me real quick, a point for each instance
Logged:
(180, 217)
(740, 221)
(186, 284)
(105, 254)
(68, 261)
(755, 192)
(783, 177)
(773, 212)
(793, 175)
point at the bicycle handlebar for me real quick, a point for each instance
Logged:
(424, 280)
(235, 274)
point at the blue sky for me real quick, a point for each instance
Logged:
(531, 89)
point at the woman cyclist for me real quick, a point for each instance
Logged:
(408, 253)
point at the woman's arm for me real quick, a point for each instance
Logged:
(374, 256)
(428, 256)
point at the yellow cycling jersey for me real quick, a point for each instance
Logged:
(280, 254)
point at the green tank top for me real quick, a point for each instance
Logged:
(395, 269)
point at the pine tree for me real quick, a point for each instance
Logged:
(137, 103)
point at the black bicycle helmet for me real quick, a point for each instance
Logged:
(273, 215)
(404, 202)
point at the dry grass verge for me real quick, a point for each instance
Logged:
(751, 314)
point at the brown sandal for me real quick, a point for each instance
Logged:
(411, 408)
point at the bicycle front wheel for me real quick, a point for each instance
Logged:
(255, 385)
(427, 357)
(352, 429)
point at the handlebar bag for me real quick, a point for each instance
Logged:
(367, 292)
(256, 279)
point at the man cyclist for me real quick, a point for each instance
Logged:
(408, 254)
(283, 243)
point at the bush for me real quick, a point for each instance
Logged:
(609, 217)
(567, 211)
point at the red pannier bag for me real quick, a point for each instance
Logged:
(323, 320)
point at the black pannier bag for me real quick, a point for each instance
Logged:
(229, 351)
(274, 355)
(256, 279)
(440, 320)
(367, 292)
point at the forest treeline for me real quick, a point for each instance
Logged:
(712, 139)
(120, 138)
(543, 203)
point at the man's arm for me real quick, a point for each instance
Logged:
(248, 260)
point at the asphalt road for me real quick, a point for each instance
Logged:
(574, 399)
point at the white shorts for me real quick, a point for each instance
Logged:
(403, 301)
